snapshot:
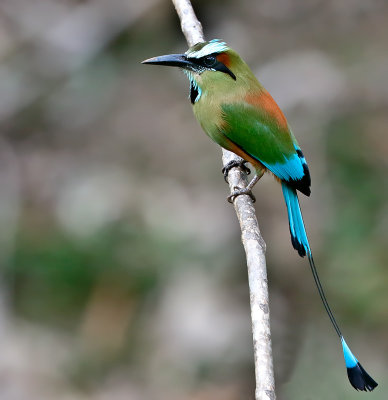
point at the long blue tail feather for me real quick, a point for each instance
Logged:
(357, 375)
(298, 233)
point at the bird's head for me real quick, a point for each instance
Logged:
(205, 63)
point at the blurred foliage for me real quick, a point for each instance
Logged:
(63, 271)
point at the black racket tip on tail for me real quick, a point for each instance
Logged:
(360, 379)
(357, 375)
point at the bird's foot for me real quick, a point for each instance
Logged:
(247, 190)
(232, 164)
(238, 192)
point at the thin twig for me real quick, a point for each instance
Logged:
(252, 240)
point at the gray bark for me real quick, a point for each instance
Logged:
(252, 240)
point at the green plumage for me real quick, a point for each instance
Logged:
(241, 116)
(257, 134)
(236, 112)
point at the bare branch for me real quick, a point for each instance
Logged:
(252, 240)
(191, 27)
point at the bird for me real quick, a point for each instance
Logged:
(239, 114)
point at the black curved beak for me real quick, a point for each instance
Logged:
(171, 60)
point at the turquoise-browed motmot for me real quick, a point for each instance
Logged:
(236, 111)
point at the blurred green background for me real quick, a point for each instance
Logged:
(122, 271)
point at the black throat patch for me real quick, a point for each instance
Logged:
(193, 92)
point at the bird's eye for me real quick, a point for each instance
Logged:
(209, 61)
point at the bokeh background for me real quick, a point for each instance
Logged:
(122, 271)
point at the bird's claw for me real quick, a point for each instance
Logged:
(232, 164)
(239, 192)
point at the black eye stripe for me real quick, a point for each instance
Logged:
(210, 62)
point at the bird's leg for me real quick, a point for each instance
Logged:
(232, 164)
(247, 190)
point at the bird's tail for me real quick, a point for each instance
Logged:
(358, 377)
(298, 232)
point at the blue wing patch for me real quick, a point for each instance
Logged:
(294, 171)
(291, 169)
